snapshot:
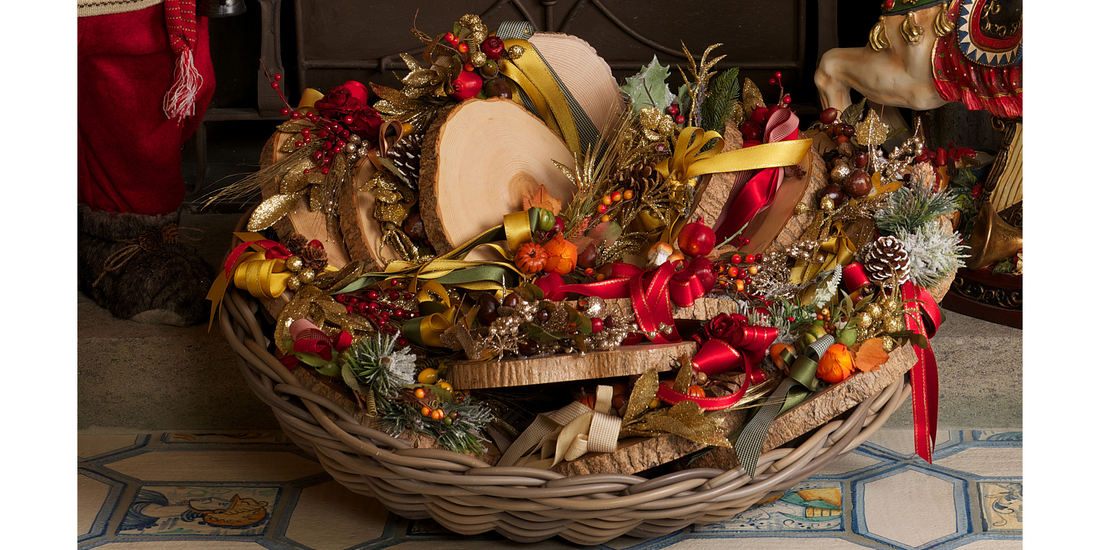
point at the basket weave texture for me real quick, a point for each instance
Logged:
(469, 496)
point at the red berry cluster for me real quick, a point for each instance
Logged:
(380, 309)
(674, 111)
(737, 272)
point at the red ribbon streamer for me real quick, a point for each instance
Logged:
(924, 375)
(310, 339)
(758, 193)
(651, 294)
(717, 356)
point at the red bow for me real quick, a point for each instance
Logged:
(272, 251)
(314, 341)
(745, 349)
(651, 293)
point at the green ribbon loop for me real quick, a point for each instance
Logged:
(801, 383)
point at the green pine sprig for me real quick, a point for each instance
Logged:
(461, 435)
(721, 99)
(373, 363)
(909, 208)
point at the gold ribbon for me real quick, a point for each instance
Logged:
(688, 162)
(433, 298)
(262, 278)
(839, 252)
(567, 434)
(532, 75)
(309, 98)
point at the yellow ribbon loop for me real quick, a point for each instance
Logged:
(839, 252)
(532, 75)
(517, 229)
(688, 162)
(262, 278)
(309, 97)
(435, 301)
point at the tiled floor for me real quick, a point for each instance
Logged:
(165, 490)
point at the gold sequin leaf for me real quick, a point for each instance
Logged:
(872, 132)
(645, 389)
(685, 419)
(296, 178)
(273, 209)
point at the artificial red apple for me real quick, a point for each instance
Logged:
(696, 239)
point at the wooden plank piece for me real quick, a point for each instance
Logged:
(621, 361)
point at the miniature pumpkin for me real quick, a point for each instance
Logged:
(531, 258)
(563, 255)
(695, 390)
(835, 364)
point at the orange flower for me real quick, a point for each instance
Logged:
(563, 255)
(835, 364)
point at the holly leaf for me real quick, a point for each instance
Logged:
(648, 88)
(542, 199)
(870, 356)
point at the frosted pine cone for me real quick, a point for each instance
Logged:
(886, 261)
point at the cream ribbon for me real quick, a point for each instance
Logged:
(567, 434)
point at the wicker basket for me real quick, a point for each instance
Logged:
(469, 496)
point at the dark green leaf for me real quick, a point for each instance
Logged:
(854, 113)
(536, 332)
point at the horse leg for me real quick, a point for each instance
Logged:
(832, 78)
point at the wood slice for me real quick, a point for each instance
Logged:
(777, 226)
(621, 361)
(480, 162)
(640, 454)
(311, 225)
(362, 233)
(587, 76)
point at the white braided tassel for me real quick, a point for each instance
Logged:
(179, 102)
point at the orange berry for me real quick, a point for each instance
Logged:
(438, 414)
(606, 200)
(420, 393)
(605, 218)
(616, 196)
(628, 194)
(425, 411)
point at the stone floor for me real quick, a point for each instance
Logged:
(168, 490)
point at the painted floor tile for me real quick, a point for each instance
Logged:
(217, 466)
(911, 507)
(985, 461)
(808, 506)
(1002, 505)
(90, 446)
(199, 510)
(330, 517)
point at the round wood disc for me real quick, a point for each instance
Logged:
(480, 162)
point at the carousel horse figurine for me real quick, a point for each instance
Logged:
(923, 54)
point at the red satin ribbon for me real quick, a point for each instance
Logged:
(758, 193)
(924, 375)
(717, 356)
(272, 250)
(651, 294)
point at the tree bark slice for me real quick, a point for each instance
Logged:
(362, 233)
(479, 163)
(311, 225)
(621, 361)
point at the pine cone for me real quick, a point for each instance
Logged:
(295, 243)
(637, 178)
(885, 259)
(405, 156)
(151, 238)
(314, 257)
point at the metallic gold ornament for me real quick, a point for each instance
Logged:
(893, 324)
(827, 204)
(516, 52)
(888, 344)
(306, 276)
(943, 25)
(865, 320)
(294, 263)
(801, 208)
(293, 283)
(874, 311)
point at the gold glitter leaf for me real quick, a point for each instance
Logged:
(751, 98)
(294, 126)
(298, 308)
(294, 179)
(645, 389)
(273, 209)
(872, 132)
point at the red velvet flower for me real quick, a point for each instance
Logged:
(721, 326)
(345, 105)
(340, 102)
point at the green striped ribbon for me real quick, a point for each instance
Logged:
(524, 30)
(801, 382)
